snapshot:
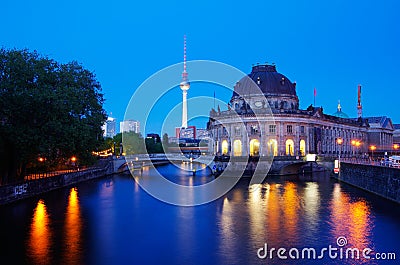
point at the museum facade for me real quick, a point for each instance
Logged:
(264, 119)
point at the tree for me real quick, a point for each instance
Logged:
(153, 146)
(165, 142)
(133, 143)
(47, 109)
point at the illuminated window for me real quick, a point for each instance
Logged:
(224, 146)
(289, 147)
(302, 147)
(272, 147)
(254, 147)
(237, 148)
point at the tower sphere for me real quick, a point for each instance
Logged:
(185, 85)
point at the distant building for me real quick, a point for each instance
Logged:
(129, 126)
(339, 113)
(173, 140)
(380, 133)
(109, 127)
(396, 134)
(191, 132)
(154, 136)
(202, 134)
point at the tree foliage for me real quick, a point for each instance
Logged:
(47, 109)
(153, 146)
(133, 143)
(165, 142)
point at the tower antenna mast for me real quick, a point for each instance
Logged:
(185, 85)
(359, 106)
(184, 74)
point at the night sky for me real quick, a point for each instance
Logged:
(330, 45)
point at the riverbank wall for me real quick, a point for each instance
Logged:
(14, 192)
(383, 181)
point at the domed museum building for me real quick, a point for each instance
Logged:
(263, 119)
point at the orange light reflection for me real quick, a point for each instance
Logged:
(40, 237)
(358, 225)
(72, 229)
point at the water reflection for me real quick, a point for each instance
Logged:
(312, 203)
(350, 219)
(228, 240)
(113, 221)
(73, 229)
(256, 205)
(290, 206)
(40, 236)
(273, 213)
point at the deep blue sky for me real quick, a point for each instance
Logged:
(330, 45)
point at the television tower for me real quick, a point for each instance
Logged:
(185, 85)
(359, 107)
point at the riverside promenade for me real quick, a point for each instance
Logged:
(51, 181)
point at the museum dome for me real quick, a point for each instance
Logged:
(339, 113)
(270, 82)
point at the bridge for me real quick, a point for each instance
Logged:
(142, 160)
(281, 165)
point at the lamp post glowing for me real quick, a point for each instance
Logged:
(396, 147)
(355, 144)
(372, 148)
(73, 161)
(339, 141)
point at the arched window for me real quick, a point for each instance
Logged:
(254, 147)
(272, 147)
(302, 147)
(224, 146)
(289, 147)
(237, 148)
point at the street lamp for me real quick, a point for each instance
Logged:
(355, 143)
(372, 148)
(339, 141)
(396, 147)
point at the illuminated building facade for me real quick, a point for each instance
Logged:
(250, 128)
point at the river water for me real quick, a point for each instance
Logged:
(113, 221)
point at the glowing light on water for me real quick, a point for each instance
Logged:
(40, 237)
